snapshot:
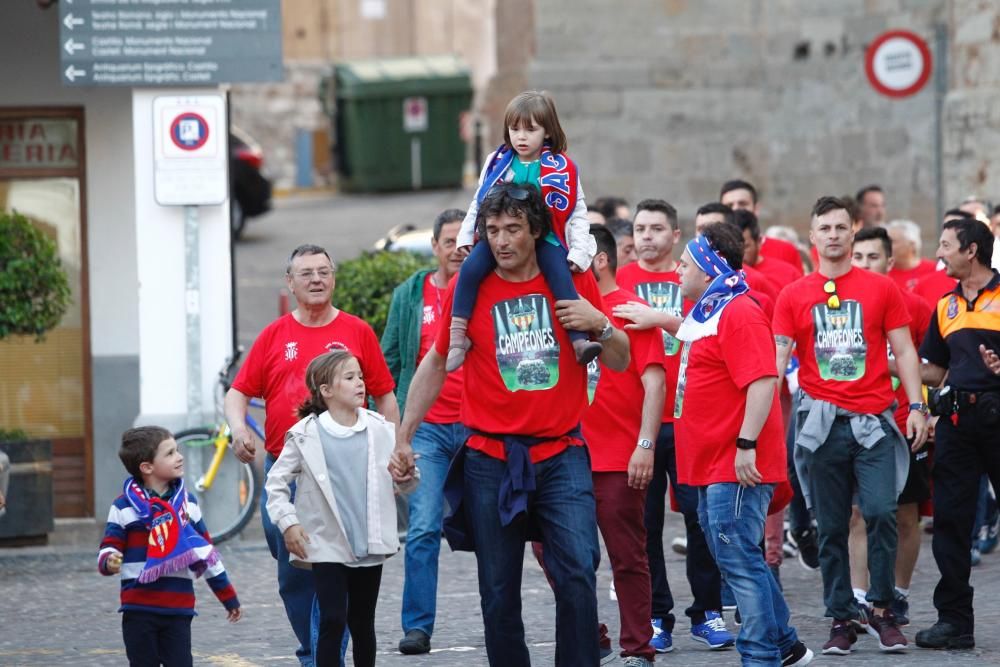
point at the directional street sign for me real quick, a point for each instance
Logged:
(169, 42)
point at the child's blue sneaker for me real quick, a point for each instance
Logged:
(662, 641)
(713, 632)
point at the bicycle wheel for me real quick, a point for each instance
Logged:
(229, 503)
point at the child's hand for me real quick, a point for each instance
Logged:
(234, 615)
(113, 563)
(574, 268)
(464, 250)
(296, 541)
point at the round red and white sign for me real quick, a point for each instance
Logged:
(898, 63)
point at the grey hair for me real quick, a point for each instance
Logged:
(307, 249)
(910, 229)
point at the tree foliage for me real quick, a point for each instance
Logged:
(365, 284)
(34, 288)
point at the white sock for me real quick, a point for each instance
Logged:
(905, 592)
(860, 595)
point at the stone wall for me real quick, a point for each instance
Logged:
(669, 98)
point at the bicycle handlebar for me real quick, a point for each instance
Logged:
(226, 374)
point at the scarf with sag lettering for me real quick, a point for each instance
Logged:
(703, 320)
(558, 182)
(173, 542)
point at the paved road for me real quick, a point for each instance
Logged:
(56, 610)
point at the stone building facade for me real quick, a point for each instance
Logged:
(669, 98)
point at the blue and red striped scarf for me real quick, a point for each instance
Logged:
(173, 544)
(558, 181)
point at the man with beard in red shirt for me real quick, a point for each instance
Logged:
(654, 278)
(524, 473)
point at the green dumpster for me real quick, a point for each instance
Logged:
(397, 122)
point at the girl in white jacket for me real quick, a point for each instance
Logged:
(343, 520)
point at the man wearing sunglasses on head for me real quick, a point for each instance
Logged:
(847, 443)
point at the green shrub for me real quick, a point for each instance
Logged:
(34, 289)
(12, 435)
(365, 283)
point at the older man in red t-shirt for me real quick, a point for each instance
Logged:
(524, 471)
(275, 371)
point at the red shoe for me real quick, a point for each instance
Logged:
(842, 638)
(886, 630)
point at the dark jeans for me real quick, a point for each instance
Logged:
(152, 639)
(962, 454)
(702, 573)
(295, 584)
(562, 507)
(551, 260)
(347, 598)
(798, 514)
(835, 469)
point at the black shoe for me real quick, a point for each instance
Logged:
(414, 643)
(798, 656)
(805, 540)
(901, 608)
(944, 635)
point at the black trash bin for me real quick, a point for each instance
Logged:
(29, 491)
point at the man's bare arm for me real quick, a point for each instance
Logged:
(783, 352)
(424, 390)
(235, 407)
(388, 407)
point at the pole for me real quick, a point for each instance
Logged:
(940, 90)
(192, 322)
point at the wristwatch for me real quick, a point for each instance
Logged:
(743, 443)
(645, 444)
(920, 407)
(606, 331)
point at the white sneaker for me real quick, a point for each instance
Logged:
(612, 593)
(679, 545)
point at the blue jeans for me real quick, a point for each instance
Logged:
(436, 444)
(733, 518)
(563, 508)
(295, 585)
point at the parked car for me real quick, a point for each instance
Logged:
(407, 238)
(250, 191)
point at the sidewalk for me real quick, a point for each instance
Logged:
(56, 610)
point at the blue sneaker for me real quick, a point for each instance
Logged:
(713, 632)
(662, 641)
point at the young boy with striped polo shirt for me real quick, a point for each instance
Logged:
(155, 538)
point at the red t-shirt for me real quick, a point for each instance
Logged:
(446, 408)
(782, 250)
(712, 394)
(521, 374)
(778, 272)
(662, 291)
(762, 289)
(611, 424)
(933, 286)
(920, 318)
(842, 351)
(275, 368)
(907, 280)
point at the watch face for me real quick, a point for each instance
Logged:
(646, 444)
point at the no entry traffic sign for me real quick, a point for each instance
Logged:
(898, 63)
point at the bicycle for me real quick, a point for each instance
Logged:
(227, 488)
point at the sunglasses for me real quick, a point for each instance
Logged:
(518, 193)
(833, 301)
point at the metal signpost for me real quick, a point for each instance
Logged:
(191, 170)
(169, 43)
